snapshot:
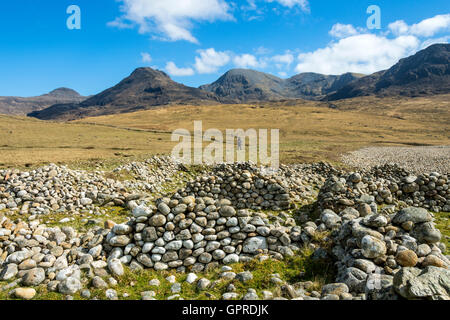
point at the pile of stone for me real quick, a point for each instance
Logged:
(418, 160)
(304, 179)
(388, 185)
(377, 254)
(32, 254)
(217, 219)
(150, 175)
(197, 233)
(59, 189)
(54, 188)
(242, 184)
(247, 186)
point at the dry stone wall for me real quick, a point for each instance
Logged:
(387, 185)
(234, 213)
(197, 233)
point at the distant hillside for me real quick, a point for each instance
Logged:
(22, 106)
(312, 86)
(425, 73)
(143, 89)
(243, 85)
(64, 93)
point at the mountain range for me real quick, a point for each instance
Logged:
(244, 86)
(22, 106)
(143, 89)
(425, 73)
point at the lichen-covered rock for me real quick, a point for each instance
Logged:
(413, 214)
(431, 283)
(253, 245)
(372, 247)
(70, 285)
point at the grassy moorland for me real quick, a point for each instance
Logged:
(30, 142)
(309, 131)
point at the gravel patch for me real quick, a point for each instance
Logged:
(416, 160)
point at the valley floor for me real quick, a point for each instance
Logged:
(309, 131)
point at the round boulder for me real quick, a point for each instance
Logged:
(157, 220)
(372, 247)
(407, 258)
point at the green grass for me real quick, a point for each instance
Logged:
(81, 222)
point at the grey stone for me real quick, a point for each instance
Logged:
(191, 277)
(203, 284)
(119, 241)
(99, 283)
(416, 215)
(115, 266)
(69, 286)
(254, 244)
(355, 279)
(33, 277)
(244, 276)
(111, 294)
(372, 247)
(431, 283)
(335, 288)
(426, 232)
(157, 220)
(227, 211)
(9, 271)
(330, 218)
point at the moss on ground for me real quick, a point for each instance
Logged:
(80, 221)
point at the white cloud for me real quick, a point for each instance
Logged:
(365, 53)
(262, 50)
(356, 50)
(247, 61)
(399, 27)
(286, 58)
(303, 4)
(146, 57)
(432, 41)
(425, 28)
(119, 23)
(343, 30)
(171, 19)
(210, 60)
(173, 70)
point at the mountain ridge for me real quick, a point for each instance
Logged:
(246, 85)
(142, 89)
(21, 106)
(425, 73)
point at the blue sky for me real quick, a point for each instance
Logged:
(195, 41)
